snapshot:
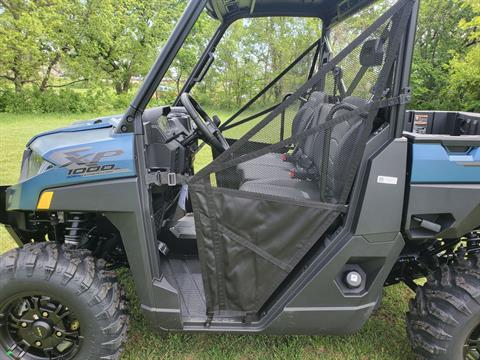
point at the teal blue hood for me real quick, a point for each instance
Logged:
(86, 151)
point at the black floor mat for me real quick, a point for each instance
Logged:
(185, 276)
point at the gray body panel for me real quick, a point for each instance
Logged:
(322, 307)
(383, 200)
(461, 201)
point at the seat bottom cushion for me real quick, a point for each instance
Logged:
(290, 188)
(270, 159)
(252, 172)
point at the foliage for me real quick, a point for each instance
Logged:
(441, 43)
(104, 41)
(91, 54)
(190, 52)
(119, 39)
(34, 37)
(61, 101)
(474, 24)
(251, 54)
(463, 90)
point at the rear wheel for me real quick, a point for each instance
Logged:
(444, 318)
(59, 304)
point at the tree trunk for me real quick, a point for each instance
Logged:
(48, 72)
(17, 79)
(278, 87)
(122, 86)
(18, 85)
(126, 84)
(177, 81)
(118, 87)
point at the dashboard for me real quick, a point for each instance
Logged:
(170, 139)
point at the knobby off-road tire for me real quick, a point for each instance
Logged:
(446, 313)
(80, 283)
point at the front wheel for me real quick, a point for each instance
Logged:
(59, 304)
(443, 322)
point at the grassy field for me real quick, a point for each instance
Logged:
(383, 337)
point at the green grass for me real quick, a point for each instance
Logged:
(383, 337)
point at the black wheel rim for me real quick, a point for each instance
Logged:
(471, 348)
(39, 327)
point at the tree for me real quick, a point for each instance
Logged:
(472, 25)
(438, 40)
(462, 90)
(191, 50)
(119, 39)
(34, 39)
(251, 54)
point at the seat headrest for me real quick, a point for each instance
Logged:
(372, 53)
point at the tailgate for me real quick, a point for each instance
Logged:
(444, 188)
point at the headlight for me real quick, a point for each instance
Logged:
(33, 164)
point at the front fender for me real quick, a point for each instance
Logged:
(11, 220)
(3, 205)
(118, 201)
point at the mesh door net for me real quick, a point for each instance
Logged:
(259, 210)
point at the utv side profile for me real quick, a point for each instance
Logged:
(295, 226)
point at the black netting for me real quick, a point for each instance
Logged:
(357, 73)
(261, 205)
(287, 82)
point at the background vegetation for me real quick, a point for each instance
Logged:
(90, 55)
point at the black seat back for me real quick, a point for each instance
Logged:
(334, 149)
(304, 116)
(315, 113)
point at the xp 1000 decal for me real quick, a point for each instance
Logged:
(85, 162)
(94, 169)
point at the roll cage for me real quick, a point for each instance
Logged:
(329, 12)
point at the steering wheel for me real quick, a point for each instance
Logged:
(207, 129)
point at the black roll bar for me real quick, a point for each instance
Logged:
(162, 64)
